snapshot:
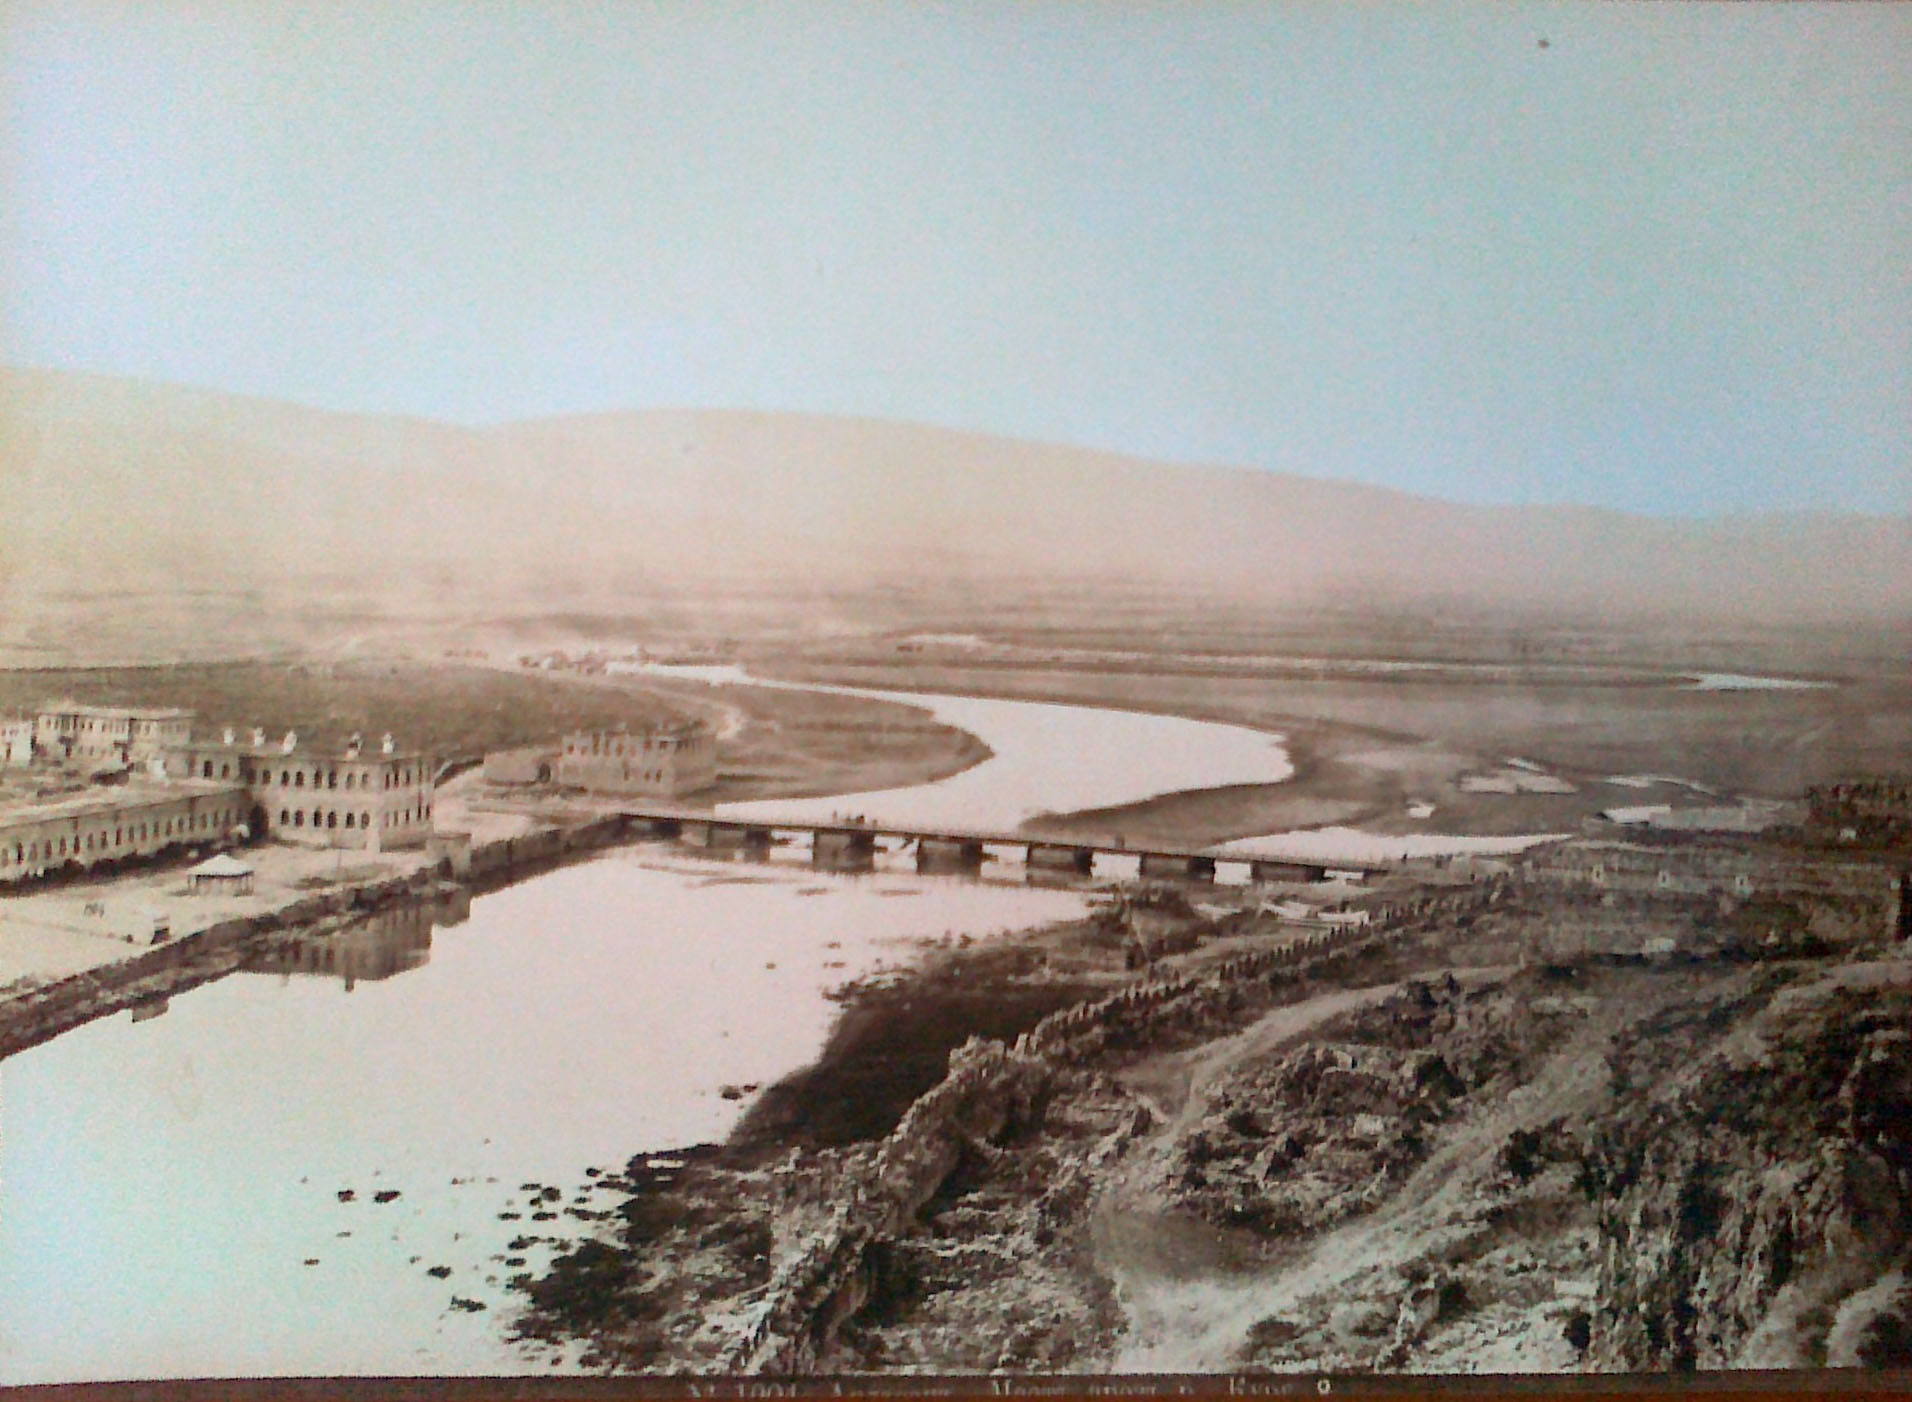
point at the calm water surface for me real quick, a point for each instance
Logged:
(164, 1183)
(1046, 758)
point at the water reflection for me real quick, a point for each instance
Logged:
(389, 942)
(307, 1164)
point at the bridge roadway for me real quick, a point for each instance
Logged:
(853, 843)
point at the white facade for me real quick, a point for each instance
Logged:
(369, 802)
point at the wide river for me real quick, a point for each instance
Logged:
(196, 1192)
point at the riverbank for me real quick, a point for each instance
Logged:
(788, 1226)
(1408, 1149)
(216, 936)
(1429, 733)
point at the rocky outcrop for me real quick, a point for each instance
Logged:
(1329, 1128)
(1745, 1204)
(989, 1089)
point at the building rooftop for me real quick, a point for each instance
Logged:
(676, 729)
(370, 754)
(225, 864)
(74, 708)
(106, 800)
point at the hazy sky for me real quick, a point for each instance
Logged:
(1662, 263)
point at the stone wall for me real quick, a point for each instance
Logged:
(39, 1014)
(990, 1088)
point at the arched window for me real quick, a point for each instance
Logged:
(284, 817)
(349, 819)
(298, 818)
(207, 771)
(332, 819)
(332, 778)
(285, 779)
(225, 771)
(298, 780)
(365, 820)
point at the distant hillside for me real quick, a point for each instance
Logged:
(115, 483)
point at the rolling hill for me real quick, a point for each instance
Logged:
(117, 484)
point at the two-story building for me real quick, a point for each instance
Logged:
(366, 801)
(662, 763)
(129, 735)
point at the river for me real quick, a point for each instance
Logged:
(196, 1193)
(1046, 758)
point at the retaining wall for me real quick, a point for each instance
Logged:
(42, 1013)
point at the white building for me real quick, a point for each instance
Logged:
(131, 735)
(371, 802)
(16, 740)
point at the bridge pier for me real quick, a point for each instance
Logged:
(726, 837)
(1160, 864)
(1052, 857)
(1264, 871)
(842, 849)
(944, 854)
(654, 829)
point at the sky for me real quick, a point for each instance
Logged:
(1650, 257)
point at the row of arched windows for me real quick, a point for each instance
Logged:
(105, 843)
(333, 818)
(323, 778)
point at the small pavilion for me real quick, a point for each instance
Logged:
(223, 875)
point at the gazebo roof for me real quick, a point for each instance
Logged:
(225, 864)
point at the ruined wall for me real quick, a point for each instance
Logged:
(990, 1088)
(1843, 901)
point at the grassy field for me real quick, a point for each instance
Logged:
(442, 709)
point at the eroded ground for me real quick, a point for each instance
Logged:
(1410, 1148)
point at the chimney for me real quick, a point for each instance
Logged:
(352, 747)
(385, 743)
(227, 735)
(258, 737)
(290, 743)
